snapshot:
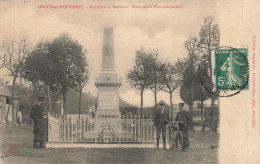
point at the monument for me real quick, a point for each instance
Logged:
(108, 84)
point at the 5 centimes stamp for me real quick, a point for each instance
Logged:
(231, 69)
(229, 73)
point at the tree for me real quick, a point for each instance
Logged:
(83, 80)
(67, 65)
(201, 94)
(187, 89)
(188, 68)
(209, 38)
(138, 76)
(36, 66)
(171, 81)
(13, 55)
(60, 64)
(156, 75)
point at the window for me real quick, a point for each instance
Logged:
(8, 100)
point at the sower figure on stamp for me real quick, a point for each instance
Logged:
(185, 117)
(36, 115)
(161, 119)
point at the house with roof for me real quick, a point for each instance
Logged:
(5, 100)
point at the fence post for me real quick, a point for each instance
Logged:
(135, 125)
(131, 128)
(49, 128)
(146, 128)
(143, 128)
(60, 129)
(126, 128)
(76, 130)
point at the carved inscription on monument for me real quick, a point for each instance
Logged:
(108, 100)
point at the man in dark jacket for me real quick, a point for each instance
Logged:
(42, 135)
(161, 119)
(185, 117)
(36, 115)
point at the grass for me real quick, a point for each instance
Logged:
(200, 151)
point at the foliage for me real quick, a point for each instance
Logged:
(209, 36)
(138, 76)
(13, 54)
(201, 94)
(187, 68)
(61, 64)
(171, 81)
(156, 75)
(68, 61)
(171, 78)
(209, 40)
(36, 66)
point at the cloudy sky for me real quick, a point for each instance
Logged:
(162, 29)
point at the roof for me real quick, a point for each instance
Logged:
(162, 102)
(4, 91)
(124, 104)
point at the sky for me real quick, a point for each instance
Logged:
(161, 29)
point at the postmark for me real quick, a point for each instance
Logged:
(13, 149)
(230, 72)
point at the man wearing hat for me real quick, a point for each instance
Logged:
(161, 119)
(36, 115)
(185, 117)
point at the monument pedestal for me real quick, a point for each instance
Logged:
(108, 119)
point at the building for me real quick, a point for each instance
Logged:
(5, 99)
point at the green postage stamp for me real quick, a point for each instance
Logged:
(230, 68)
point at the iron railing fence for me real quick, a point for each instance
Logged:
(133, 129)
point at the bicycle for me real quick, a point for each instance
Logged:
(176, 136)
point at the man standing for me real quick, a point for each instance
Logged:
(184, 117)
(161, 119)
(36, 115)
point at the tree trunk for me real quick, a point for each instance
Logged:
(64, 102)
(191, 113)
(217, 119)
(18, 102)
(212, 113)
(11, 101)
(171, 107)
(13, 112)
(34, 92)
(191, 109)
(49, 97)
(201, 108)
(142, 101)
(80, 97)
(202, 116)
(155, 100)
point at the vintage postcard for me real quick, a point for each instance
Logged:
(129, 81)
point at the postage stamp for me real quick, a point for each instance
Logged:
(230, 69)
